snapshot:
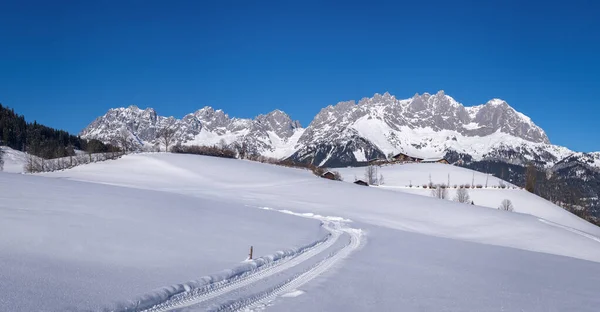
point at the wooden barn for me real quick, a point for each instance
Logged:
(328, 175)
(405, 157)
(361, 182)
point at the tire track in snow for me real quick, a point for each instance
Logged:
(333, 225)
(262, 299)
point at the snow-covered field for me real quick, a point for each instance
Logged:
(107, 232)
(400, 177)
(13, 160)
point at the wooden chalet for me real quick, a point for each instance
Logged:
(405, 157)
(361, 182)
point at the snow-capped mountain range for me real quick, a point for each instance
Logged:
(427, 125)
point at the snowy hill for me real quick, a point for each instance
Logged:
(215, 177)
(489, 191)
(100, 234)
(14, 161)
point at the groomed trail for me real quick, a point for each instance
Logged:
(262, 280)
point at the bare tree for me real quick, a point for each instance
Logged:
(501, 184)
(371, 175)
(381, 181)
(337, 176)
(33, 164)
(530, 176)
(439, 192)
(462, 196)
(1, 159)
(124, 141)
(166, 135)
(506, 205)
(222, 143)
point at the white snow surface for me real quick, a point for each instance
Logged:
(73, 246)
(399, 177)
(111, 231)
(14, 161)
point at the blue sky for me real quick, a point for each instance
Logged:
(64, 63)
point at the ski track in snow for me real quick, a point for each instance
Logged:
(334, 225)
(572, 230)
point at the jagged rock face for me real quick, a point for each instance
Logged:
(349, 133)
(205, 126)
(425, 125)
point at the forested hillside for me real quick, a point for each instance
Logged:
(42, 141)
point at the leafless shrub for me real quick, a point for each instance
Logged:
(371, 175)
(479, 186)
(462, 196)
(439, 192)
(1, 159)
(506, 205)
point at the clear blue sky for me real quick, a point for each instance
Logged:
(64, 63)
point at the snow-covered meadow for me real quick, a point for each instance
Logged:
(107, 232)
(413, 178)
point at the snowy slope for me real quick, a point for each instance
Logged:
(417, 253)
(14, 161)
(298, 190)
(72, 245)
(399, 178)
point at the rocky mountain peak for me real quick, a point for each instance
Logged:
(278, 122)
(373, 127)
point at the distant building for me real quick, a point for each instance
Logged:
(405, 157)
(361, 182)
(435, 160)
(376, 161)
(328, 175)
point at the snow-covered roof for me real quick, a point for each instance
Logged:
(433, 159)
(409, 155)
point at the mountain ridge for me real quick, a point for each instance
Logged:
(352, 132)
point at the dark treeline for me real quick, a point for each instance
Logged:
(42, 141)
(204, 150)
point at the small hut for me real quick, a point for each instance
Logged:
(361, 182)
(328, 175)
(405, 157)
